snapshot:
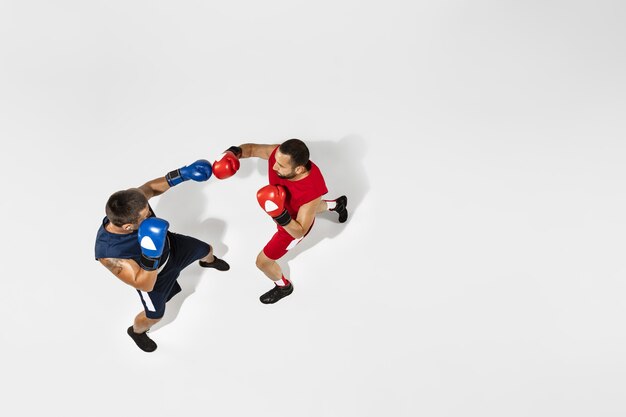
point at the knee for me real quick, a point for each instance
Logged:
(143, 322)
(262, 261)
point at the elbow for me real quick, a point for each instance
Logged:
(145, 280)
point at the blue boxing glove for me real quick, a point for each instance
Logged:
(200, 170)
(152, 234)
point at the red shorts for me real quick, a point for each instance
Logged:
(281, 242)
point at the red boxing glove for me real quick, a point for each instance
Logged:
(272, 198)
(226, 165)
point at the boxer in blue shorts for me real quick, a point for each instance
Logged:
(138, 248)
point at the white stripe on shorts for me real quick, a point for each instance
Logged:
(294, 242)
(146, 299)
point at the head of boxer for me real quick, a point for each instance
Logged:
(126, 209)
(292, 160)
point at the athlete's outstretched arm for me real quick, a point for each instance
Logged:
(155, 187)
(197, 171)
(256, 150)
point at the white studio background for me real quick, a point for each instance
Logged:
(480, 143)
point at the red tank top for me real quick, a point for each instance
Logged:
(298, 192)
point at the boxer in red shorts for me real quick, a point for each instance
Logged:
(292, 198)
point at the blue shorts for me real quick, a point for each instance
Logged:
(184, 250)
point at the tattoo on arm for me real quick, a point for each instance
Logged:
(113, 265)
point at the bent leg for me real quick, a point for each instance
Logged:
(209, 258)
(282, 286)
(269, 267)
(143, 323)
(138, 330)
(212, 261)
(339, 205)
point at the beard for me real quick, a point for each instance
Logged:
(287, 176)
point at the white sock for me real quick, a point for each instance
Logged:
(282, 282)
(331, 204)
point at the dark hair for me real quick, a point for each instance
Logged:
(125, 206)
(298, 152)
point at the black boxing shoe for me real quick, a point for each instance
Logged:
(276, 293)
(219, 264)
(142, 340)
(341, 207)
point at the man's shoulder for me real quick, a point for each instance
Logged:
(316, 174)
